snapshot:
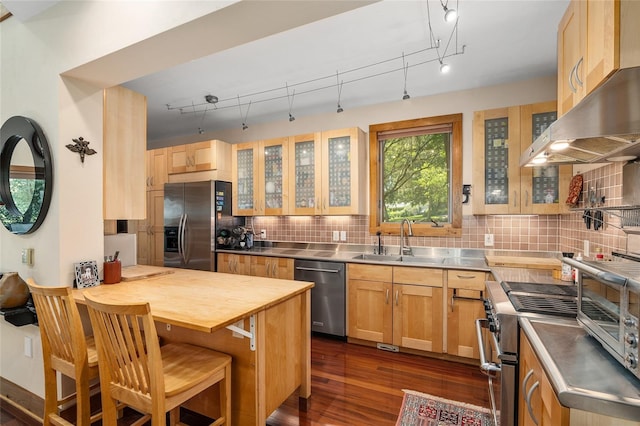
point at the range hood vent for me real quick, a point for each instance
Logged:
(604, 125)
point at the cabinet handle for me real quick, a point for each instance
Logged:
(525, 380)
(386, 297)
(526, 198)
(515, 198)
(274, 268)
(397, 292)
(152, 181)
(229, 265)
(571, 74)
(576, 72)
(465, 277)
(324, 204)
(528, 400)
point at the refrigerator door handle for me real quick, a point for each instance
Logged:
(183, 233)
(179, 232)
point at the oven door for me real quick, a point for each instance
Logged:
(489, 350)
(600, 309)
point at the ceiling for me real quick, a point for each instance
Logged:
(299, 71)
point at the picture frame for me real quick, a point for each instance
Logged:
(86, 274)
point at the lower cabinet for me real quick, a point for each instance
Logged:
(258, 266)
(432, 310)
(272, 267)
(464, 296)
(150, 232)
(396, 305)
(537, 403)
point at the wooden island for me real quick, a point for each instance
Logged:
(203, 308)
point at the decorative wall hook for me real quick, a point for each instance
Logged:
(81, 147)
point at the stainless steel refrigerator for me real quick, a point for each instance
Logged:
(193, 213)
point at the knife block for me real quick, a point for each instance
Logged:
(112, 272)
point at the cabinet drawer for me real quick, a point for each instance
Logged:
(419, 276)
(470, 280)
(357, 271)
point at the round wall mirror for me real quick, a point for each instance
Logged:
(26, 175)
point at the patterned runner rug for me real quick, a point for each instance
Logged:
(421, 409)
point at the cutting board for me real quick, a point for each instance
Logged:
(524, 262)
(138, 272)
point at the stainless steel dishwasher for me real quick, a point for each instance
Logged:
(328, 298)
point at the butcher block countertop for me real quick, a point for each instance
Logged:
(199, 300)
(524, 262)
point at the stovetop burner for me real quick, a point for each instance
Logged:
(538, 288)
(544, 304)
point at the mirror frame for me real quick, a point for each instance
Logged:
(12, 132)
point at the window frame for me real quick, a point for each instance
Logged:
(453, 229)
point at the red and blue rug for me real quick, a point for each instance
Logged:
(421, 409)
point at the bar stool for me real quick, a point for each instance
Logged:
(65, 349)
(153, 379)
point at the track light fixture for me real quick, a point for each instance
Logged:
(291, 117)
(339, 84)
(200, 131)
(444, 67)
(244, 122)
(450, 15)
(211, 99)
(406, 69)
(290, 99)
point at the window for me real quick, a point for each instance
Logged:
(416, 173)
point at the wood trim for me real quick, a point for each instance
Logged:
(20, 403)
(454, 229)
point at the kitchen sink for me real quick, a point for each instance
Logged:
(404, 259)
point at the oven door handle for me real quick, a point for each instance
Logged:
(489, 368)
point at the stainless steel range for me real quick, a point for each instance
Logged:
(498, 335)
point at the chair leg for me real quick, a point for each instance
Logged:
(109, 409)
(174, 416)
(51, 394)
(83, 407)
(225, 396)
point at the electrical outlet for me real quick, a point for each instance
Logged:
(488, 240)
(585, 249)
(28, 347)
(263, 234)
(343, 235)
(27, 256)
(336, 236)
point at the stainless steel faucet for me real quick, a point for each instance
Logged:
(405, 250)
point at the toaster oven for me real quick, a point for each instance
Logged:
(609, 307)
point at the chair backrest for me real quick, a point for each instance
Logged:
(60, 326)
(128, 353)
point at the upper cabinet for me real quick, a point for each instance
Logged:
(595, 38)
(156, 167)
(200, 158)
(124, 145)
(501, 186)
(313, 174)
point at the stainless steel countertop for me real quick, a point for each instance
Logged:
(583, 375)
(424, 257)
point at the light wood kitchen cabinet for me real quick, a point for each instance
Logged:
(543, 189)
(344, 161)
(400, 306)
(496, 161)
(199, 157)
(305, 165)
(272, 267)
(156, 169)
(124, 145)
(537, 403)
(231, 263)
(417, 308)
(595, 39)
(150, 232)
(369, 307)
(501, 185)
(464, 296)
(259, 170)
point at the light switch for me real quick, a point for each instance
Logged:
(336, 235)
(343, 235)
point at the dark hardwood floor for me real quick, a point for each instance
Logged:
(358, 385)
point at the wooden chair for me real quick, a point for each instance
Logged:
(65, 349)
(137, 371)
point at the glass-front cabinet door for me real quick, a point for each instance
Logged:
(305, 186)
(543, 188)
(344, 184)
(496, 157)
(244, 168)
(273, 165)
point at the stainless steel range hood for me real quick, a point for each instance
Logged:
(605, 124)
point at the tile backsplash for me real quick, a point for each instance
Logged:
(565, 232)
